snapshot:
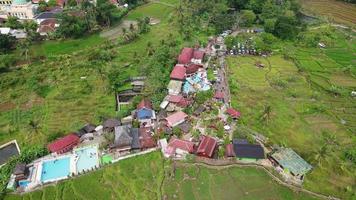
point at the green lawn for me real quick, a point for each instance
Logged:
(302, 109)
(51, 48)
(141, 178)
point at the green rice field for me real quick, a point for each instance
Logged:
(310, 103)
(150, 177)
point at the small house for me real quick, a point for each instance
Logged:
(20, 171)
(174, 87)
(134, 133)
(198, 56)
(176, 119)
(206, 146)
(185, 56)
(179, 148)
(64, 144)
(178, 73)
(229, 152)
(192, 69)
(146, 139)
(185, 127)
(110, 124)
(291, 162)
(248, 152)
(219, 96)
(144, 110)
(123, 139)
(199, 110)
(234, 114)
(47, 27)
(179, 101)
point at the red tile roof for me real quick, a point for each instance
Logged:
(219, 95)
(198, 54)
(207, 146)
(179, 100)
(64, 144)
(145, 137)
(186, 55)
(175, 98)
(145, 103)
(229, 150)
(233, 113)
(178, 72)
(48, 25)
(181, 144)
(175, 118)
(192, 68)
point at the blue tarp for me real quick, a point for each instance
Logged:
(144, 113)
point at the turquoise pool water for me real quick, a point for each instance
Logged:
(55, 169)
(24, 183)
(197, 82)
(87, 158)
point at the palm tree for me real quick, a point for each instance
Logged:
(24, 46)
(150, 49)
(34, 125)
(266, 115)
(321, 154)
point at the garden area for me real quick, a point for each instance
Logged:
(298, 103)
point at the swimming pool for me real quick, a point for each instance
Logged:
(196, 83)
(87, 158)
(55, 169)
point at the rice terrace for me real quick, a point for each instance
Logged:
(178, 99)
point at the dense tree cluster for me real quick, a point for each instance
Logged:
(279, 17)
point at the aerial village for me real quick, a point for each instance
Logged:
(206, 132)
(47, 20)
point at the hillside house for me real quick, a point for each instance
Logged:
(145, 113)
(190, 55)
(7, 151)
(192, 69)
(206, 146)
(248, 152)
(174, 87)
(234, 114)
(179, 148)
(110, 124)
(126, 138)
(229, 151)
(21, 171)
(291, 162)
(219, 96)
(146, 139)
(176, 119)
(64, 144)
(178, 73)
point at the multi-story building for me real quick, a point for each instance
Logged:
(22, 9)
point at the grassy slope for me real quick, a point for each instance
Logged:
(301, 108)
(141, 178)
(68, 105)
(234, 183)
(136, 178)
(336, 11)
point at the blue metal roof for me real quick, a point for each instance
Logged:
(144, 113)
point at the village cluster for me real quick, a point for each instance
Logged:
(29, 10)
(146, 130)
